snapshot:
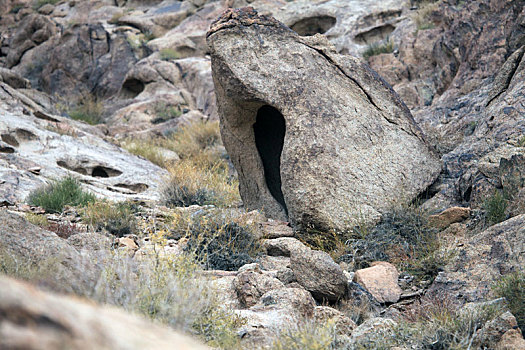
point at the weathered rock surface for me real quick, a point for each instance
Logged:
(276, 310)
(314, 155)
(283, 246)
(59, 146)
(251, 285)
(484, 259)
(381, 281)
(25, 244)
(319, 274)
(35, 320)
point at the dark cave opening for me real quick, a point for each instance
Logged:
(269, 130)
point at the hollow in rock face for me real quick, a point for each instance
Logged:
(269, 130)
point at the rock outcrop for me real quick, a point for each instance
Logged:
(38, 147)
(484, 259)
(317, 138)
(34, 320)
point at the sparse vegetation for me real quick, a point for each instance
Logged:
(190, 184)
(168, 290)
(512, 288)
(168, 54)
(422, 16)
(165, 112)
(114, 218)
(147, 149)
(309, 336)
(39, 3)
(88, 110)
(60, 193)
(220, 242)
(378, 48)
(402, 237)
(495, 208)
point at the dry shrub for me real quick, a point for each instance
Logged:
(191, 184)
(219, 240)
(114, 218)
(148, 149)
(402, 237)
(310, 335)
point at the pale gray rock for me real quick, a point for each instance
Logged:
(63, 147)
(305, 154)
(319, 274)
(284, 246)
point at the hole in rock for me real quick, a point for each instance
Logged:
(26, 135)
(10, 139)
(102, 171)
(269, 130)
(140, 187)
(375, 34)
(313, 25)
(131, 88)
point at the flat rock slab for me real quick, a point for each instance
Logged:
(317, 137)
(381, 281)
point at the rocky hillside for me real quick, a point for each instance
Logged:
(299, 174)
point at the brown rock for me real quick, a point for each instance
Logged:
(381, 281)
(449, 216)
(511, 340)
(251, 285)
(34, 320)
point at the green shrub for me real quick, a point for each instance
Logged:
(60, 193)
(495, 207)
(402, 237)
(114, 218)
(88, 110)
(512, 288)
(378, 48)
(169, 54)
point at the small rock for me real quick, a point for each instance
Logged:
(319, 274)
(46, 9)
(511, 340)
(127, 242)
(381, 281)
(277, 229)
(343, 324)
(449, 216)
(283, 246)
(251, 285)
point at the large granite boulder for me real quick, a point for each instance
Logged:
(318, 138)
